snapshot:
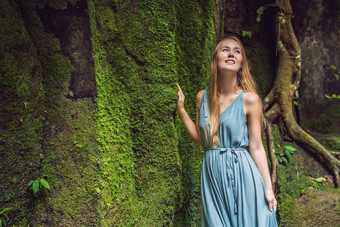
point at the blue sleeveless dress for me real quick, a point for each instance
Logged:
(232, 187)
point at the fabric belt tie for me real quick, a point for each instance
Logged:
(233, 152)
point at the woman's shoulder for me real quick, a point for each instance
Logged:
(251, 98)
(200, 94)
(199, 97)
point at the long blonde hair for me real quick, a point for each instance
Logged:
(244, 80)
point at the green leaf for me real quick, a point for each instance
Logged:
(334, 96)
(35, 186)
(258, 18)
(287, 152)
(282, 20)
(336, 76)
(260, 10)
(290, 148)
(333, 67)
(295, 103)
(266, 99)
(44, 183)
(296, 94)
(320, 179)
(303, 191)
(284, 159)
(280, 44)
(30, 183)
(97, 190)
(314, 184)
(5, 210)
(246, 33)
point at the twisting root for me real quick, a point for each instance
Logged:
(272, 156)
(283, 89)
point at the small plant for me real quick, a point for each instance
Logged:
(246, 33)
(336, 74)
(335, 71)
(3, 215)
(296, 97)
(314, 182)
(285, 157)
(334, 96)
(37, 184)
(261, 9)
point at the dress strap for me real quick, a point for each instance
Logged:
(205, 100)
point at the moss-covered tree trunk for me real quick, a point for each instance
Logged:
(88, 104)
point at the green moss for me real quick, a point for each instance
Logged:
(21, 123)
(138, 66)
(331, 142)
(321, 207)
(334, 110)
(294, 180)
(122, 158)
(115, 161)
(197, 21)
(261, 67)
(140, 167)
(46, 134)
(322, 124)
(70, 164)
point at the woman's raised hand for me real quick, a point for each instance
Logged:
(189, 125)
(180, 101)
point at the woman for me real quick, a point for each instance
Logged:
(236, 187)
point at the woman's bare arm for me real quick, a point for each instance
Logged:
(191, 127)
(256, 149)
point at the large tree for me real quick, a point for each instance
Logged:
(88, 103)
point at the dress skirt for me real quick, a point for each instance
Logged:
(233, 190)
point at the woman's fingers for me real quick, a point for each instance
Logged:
(272, 205)
(270, 197)
(180, 93)
(180, 102)
(179, 88)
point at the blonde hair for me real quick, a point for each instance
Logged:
(244, 80)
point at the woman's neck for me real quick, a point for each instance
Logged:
(227, 83)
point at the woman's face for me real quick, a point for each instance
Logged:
(229, 56)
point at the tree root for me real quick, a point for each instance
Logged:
(279, 100)
(272, 156)
(269, 99)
